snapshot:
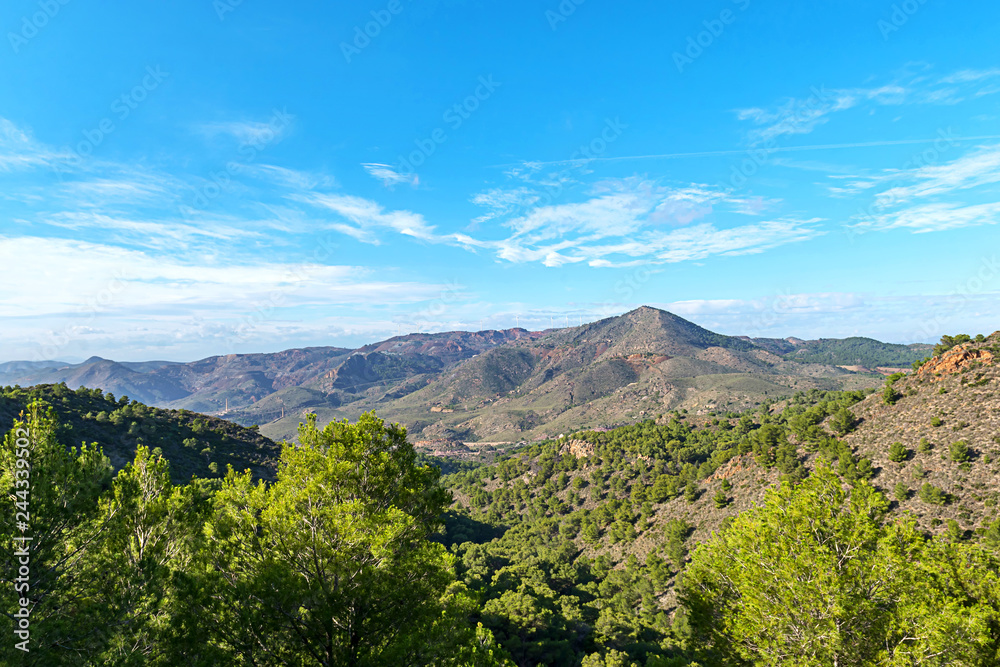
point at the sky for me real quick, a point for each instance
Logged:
(194, 178)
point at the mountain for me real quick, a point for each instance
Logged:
(614, 371)
(503, 386)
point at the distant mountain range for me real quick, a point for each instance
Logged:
(495, 385)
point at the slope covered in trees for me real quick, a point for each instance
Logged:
(195, 444)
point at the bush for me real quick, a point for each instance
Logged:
(898, 452)
(842, 422)
(936, 421)
(924, 446)
(721, 499)
(901, 492)
(933, 495)
(890, 396)
(960, 452)
(691, 492)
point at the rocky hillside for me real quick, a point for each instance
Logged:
(619, 370)
(946, 421)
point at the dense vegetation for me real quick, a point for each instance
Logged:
(579, 551)
(194, 444)
(856, 351)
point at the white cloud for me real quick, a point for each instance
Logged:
(934, 217)
(367, 216)
(252, 133)
(290, 178)
(46, 276)
(802, 115)
(19, 150)
(922, 199)
(388, 176)
(621, 225)
(500, 202)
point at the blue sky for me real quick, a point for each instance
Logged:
(185, 179)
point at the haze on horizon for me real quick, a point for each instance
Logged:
(198, 178)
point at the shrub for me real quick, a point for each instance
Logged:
(960, 452)
(898, 452)
(691, 492)
(890, 396)
(901, 492)
(721, 499)
(933, 495)
(936, 421)
(924, 446)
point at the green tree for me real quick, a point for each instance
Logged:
(331, 565)
(932, 495)
(810, 578)
(960, 451)
(842, 422)
(898, 453)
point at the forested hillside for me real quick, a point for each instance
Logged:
(195, 444)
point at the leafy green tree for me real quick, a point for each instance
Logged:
(739, 587)
(842, 422)
(57, 490)
(932, 495)
(898, 453)
(960, 451)
(331, 565)
(901, 492)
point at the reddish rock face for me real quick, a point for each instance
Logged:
(955, 360)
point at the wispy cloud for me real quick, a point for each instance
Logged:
(621, 224)
(290, 178)
(932, 217)
(249, 132)
(923, 199)
(802, 115)
(19, 150)
(76, 273)
(388, 176)
(363, 217)
(499, 202)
